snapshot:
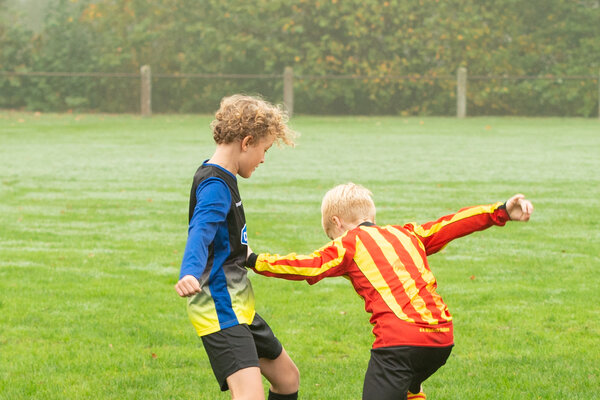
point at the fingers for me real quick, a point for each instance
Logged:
(526, 209)
(188, 286)
(519, 208)
(514, 200)
(180, 291)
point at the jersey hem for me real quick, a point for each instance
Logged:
(225, 325)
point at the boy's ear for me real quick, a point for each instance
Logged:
(336, 221)
(246, 142)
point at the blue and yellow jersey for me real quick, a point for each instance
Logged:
(216, 252)
(388, 268)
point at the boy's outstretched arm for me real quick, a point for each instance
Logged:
(437, 234)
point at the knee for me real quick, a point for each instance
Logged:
(295, 377)
(288, 380)
(292, 378)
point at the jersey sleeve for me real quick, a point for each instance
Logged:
(326, 262)
(212, 206)
(437, 234)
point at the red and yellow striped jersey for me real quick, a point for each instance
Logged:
(388, 268)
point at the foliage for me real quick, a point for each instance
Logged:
(407, 54)
(15, 55)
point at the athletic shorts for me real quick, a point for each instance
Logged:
(239, 347)
(393, 371)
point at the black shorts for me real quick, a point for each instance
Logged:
(239, 347)
(393, 371)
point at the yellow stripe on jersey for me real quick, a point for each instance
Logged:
(364, 260)
(409, 284)
(203, 316)
(426, 274)
(203, 313)
(273, 262)
(243, 304)
(469, 212)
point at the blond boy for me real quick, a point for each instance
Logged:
(388, 268)
(239, 343)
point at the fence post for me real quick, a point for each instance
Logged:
(146, 91)
(461, 93)
(288, 90)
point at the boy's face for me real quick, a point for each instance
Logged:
(253, 154)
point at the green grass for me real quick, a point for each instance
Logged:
(93, 222)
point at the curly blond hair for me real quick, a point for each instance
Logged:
(242, 115)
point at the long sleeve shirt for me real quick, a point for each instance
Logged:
(388, 268)
(216, 252)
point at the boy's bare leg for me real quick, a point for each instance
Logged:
(282, 373)
(246, 384)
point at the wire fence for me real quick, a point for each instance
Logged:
(146, 78)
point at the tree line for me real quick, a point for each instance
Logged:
(504, 45)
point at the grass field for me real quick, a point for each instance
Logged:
(93, 222)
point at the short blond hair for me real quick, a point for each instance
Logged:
(350, 202)
(242, 115)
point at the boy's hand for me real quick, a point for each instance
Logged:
(188, 286)
(519, 208)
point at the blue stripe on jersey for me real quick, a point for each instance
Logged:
(218, 282)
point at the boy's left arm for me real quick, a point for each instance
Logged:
(437, 234)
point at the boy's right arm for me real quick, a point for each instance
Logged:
(326, 262)
(212, 206)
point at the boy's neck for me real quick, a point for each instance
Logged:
(349, 226)
(362, 221)
(226, 156)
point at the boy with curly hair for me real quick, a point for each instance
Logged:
(388, 268)
(239, 343)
